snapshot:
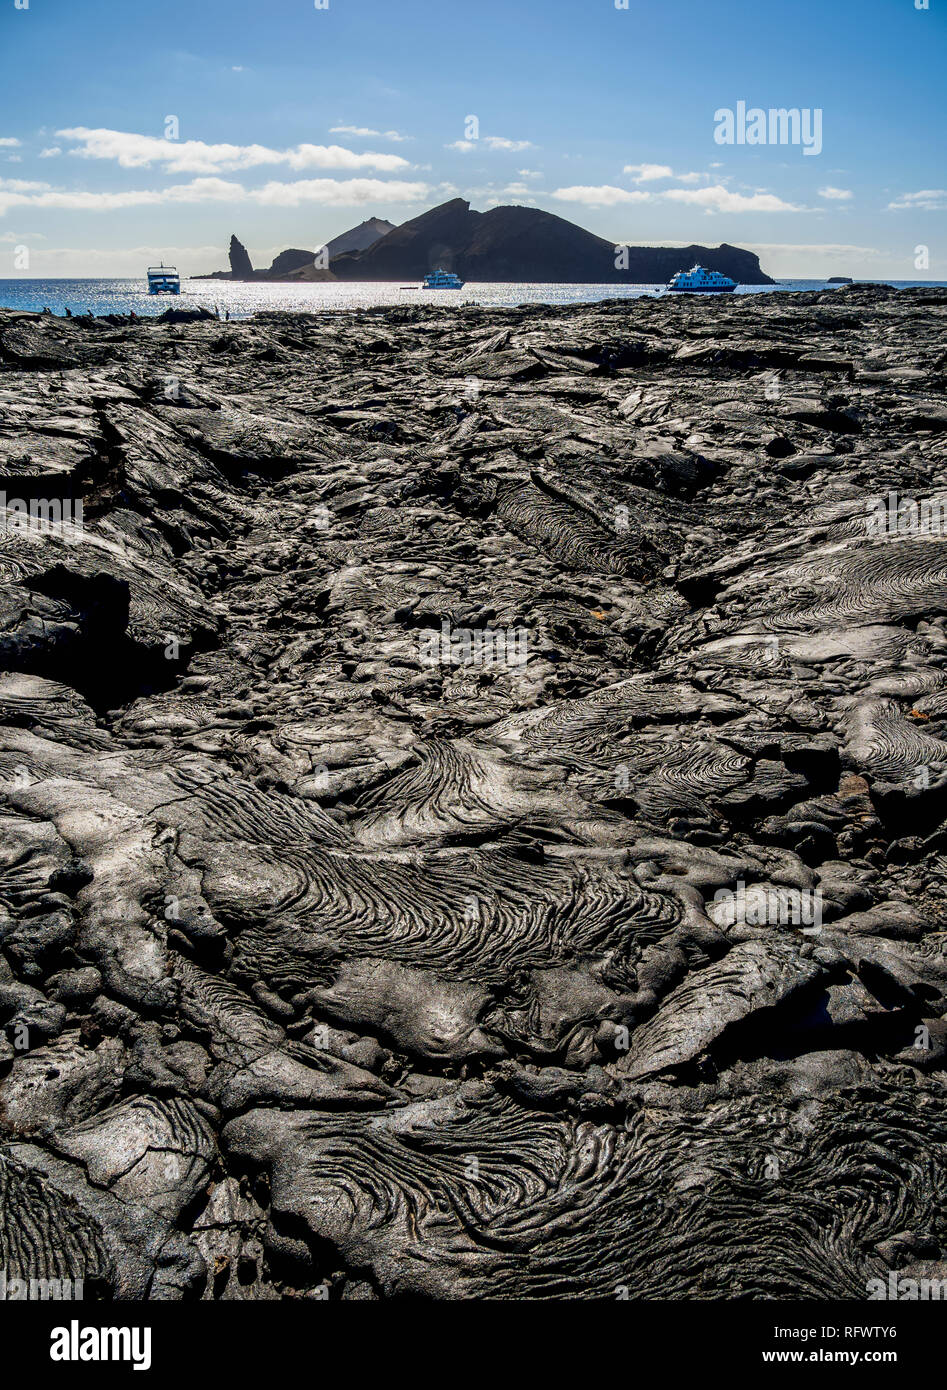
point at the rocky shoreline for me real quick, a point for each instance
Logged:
(473, 788)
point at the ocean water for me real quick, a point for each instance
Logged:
(242, 300)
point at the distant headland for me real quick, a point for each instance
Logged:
(505, 245)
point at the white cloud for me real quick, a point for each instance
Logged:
(22, 186)
(826, 248)
(362, 130)
(9, 140)
(601, 195)
(50, 153)
(929, 199)
(646, 173)
(835, 194)
(490, 142)
(195, 157)
(335, 193)
(198, 191)
(325, 192)
(497, 142)
(651, 173)
(529, 173)
(719, 199)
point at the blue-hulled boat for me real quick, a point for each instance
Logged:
(699, 280)
(163, 279)
(442, 280)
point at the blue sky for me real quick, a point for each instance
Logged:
(295, 123)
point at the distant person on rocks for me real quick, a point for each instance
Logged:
(227, 315)
(68, 312)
